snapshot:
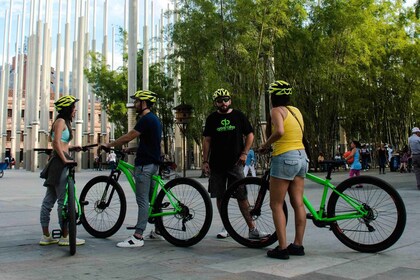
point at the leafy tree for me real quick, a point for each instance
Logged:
(111, 87)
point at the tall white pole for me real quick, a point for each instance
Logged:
(79, 91)
(151, 34)
(3, 89)
(45, 79)
(15, 94)
(145, 49)
(161, 43)
(20, 92)
(7, 76)
(92, 96)
(36, 90)
(132, 63)
(58, 58)
(104, 120)
(86, 88)
(112, 136)
(29, 99)
(66, 78)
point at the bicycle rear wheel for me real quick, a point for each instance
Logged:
(386, 218)
(71, 215)
(257, 195)
(103, 206)
(191, 224)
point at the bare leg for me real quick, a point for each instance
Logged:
(278, 189)
(296, 195)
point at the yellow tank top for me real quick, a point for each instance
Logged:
(292, 137)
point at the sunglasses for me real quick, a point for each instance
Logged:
(223, 99)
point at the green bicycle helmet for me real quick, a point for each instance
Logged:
(220, 93)
(280, 88)
(65, 101)
(146, 95)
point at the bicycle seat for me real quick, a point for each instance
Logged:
(71, 164)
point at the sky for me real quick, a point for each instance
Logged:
(115, 19)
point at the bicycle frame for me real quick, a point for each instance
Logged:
(128, 170)
(319, 215)
(70, 176)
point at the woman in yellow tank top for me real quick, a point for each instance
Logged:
(289, 165)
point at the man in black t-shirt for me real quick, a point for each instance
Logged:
(225, 152)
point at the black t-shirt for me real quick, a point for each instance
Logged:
(227, 133)
(148, 151)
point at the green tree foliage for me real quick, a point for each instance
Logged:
(111, 87)
(352, 63)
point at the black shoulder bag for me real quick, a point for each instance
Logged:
(304, 140)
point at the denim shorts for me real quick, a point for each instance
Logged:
(289, 165)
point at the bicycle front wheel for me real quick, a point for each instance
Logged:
(190, 225)
(249, 199)
(104, 206)
(381, 227)
(71, 215)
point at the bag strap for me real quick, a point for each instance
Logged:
(294, 115)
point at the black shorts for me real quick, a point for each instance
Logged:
(220, 180)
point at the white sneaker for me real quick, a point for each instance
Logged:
(256, 234)
(223, 234)
(47, 240)
(131, 242)
(155, 236)
(65, 241)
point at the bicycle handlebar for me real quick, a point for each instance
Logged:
(48, 151)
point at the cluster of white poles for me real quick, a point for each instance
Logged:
(38, 61)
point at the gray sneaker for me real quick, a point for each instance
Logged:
(256, 234)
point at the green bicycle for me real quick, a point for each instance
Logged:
(182, 209)
(72, 209)
(365, 213)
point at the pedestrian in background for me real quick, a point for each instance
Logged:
(355, 154)
(414, 144)
(381, 153)
(250, 164)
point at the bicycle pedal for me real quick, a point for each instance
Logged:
(151, 220)
(131, 227)
(84, 203)
(56, 233)
(309, 216)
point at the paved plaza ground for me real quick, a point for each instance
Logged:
(21, 257)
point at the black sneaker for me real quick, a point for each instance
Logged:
(295, 250)
(278, 254)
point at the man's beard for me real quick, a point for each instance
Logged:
(224, 109)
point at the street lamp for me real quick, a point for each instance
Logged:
(183, 114)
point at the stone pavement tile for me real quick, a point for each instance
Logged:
(252, 275)
(285, 268)
(318, 276)
(397, 273)
(367, 265)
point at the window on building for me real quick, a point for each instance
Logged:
(9, 135)
(9, 113)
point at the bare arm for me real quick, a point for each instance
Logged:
(277, 120)
(206, 149)
(123, 139)
(249, 139)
